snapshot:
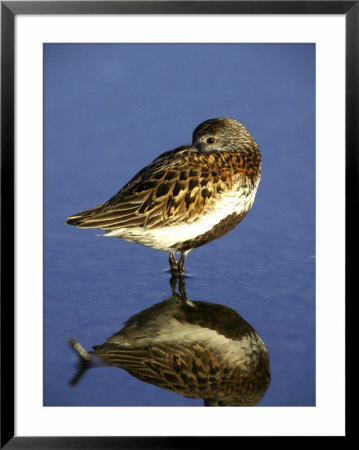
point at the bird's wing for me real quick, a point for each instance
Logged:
(189, 371)
(175, 187)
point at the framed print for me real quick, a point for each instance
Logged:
(217, 142)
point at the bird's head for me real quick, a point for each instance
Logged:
(221, 134)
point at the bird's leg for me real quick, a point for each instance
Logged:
(173, 284)
(173, 263)
(182, 291)
(182, 283)
(181, 264)
(177, 272)
(174, 273)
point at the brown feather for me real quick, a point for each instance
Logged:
(170, 190)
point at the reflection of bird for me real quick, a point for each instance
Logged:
(207, 351)
(186, 197)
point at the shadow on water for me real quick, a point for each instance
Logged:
(194, 348)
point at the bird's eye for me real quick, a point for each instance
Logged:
(210, 140)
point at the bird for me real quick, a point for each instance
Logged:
(187, 196)
(207, 352)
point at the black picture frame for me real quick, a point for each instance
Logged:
(9, 9)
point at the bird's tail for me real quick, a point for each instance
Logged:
(81, 219)
(84, 360)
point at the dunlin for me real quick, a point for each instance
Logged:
(208, 352)
(187, 196)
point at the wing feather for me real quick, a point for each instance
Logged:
(174, 188)
(188, 370)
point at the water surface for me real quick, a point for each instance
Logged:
(109, 110)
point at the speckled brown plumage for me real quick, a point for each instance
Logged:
(193, 371)
(197, 192)
(206, 351)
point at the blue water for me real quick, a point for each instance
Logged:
(109, 110)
